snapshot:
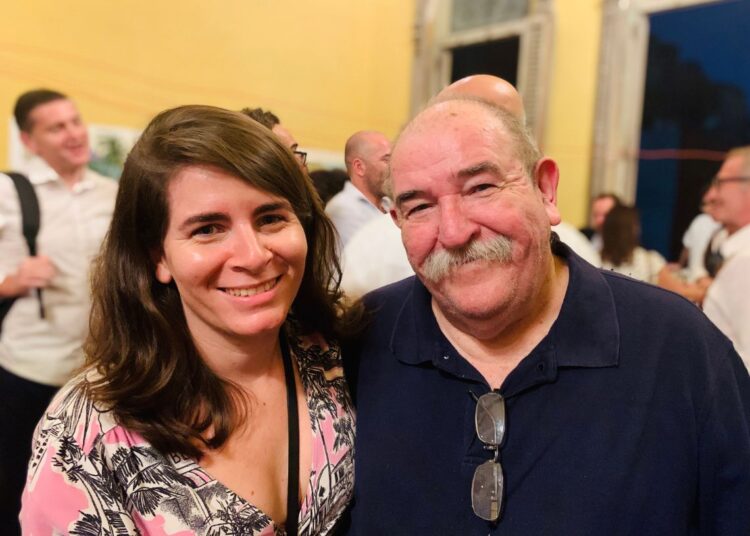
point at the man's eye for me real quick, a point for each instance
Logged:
(417, 208)
(482, 187)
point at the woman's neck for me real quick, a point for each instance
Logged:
(245, 360)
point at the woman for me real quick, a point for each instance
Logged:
(208, 351)
(621, 250)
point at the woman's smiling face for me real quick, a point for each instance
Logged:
(236, 254)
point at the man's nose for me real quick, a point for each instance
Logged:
(75, 130)
(456, 227)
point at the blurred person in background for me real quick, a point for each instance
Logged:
(213, 400)
(727, 301)
(328, 182)
(366, 154)
(690, 277)
(40, 342)
(272, 122)
(600, 207)
(621, 249)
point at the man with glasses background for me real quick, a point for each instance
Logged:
(511, 388)
(727, 302)
(272, 122)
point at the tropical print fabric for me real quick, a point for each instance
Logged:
(90, 476)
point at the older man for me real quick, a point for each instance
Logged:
(511, 388)
(728, 299)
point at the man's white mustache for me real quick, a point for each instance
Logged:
(440, 263)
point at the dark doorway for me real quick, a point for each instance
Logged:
(491, 57)
(696, 107)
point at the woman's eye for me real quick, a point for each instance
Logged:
(204, 230)
(270, 219)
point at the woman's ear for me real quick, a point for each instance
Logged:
(162, 271)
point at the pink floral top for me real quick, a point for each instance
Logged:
(90, 476)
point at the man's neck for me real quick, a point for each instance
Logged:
(496, 354)
(731, 229)
(361, 184)
(71, 177)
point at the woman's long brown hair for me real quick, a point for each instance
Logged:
(150, 373)
(620, 234)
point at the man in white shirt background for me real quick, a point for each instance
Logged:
(366, 155)
(727, 302)
(40, 351)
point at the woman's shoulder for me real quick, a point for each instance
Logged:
(73, 412)
(74, 418)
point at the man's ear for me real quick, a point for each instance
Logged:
(547, 175)
(28, 141)
(395, 217)
(359, 166)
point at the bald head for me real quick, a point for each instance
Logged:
(489, 88)
(452, 108)
(361, 144)
(366, 154)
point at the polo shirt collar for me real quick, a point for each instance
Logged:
(585, 334)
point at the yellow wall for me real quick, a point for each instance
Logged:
(570, 117)
(327, 68)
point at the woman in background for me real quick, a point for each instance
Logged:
(621, 250)
(213, 401)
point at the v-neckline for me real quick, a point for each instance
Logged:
(304, 498)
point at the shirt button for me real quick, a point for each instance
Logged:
(446, 357)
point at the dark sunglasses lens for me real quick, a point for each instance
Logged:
(487, 490)
(490, 418)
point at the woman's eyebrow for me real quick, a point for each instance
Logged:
(204, 217)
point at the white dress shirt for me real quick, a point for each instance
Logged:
(73, 224)
(644, 265)
(374, 257)
(727, 302)
(696, 240)
(349, 210)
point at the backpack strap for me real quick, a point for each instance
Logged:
(29, 209)
(30, 217)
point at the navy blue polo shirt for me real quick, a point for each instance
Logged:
(630, 417)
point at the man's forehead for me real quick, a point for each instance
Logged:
(53, 111)
(284, 135)
(446, 122)
(732, 165)
(375, 145)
